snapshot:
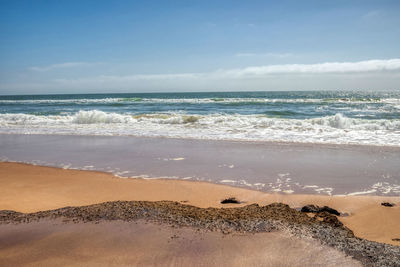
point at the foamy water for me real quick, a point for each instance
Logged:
(310, 117)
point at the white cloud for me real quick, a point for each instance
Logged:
(61, 66)
(369, 74)
(248, 72)
(331, 75)
(261, 71)
(320, 68)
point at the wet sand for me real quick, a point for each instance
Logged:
(269, 167)
(117, 243)
(27, 188)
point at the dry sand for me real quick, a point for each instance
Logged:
(27, 188)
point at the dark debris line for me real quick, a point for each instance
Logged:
(324, 227)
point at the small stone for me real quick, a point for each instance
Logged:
(329, 210)
(230, 200)
(316, 209)
(387, 204)
(310, 208)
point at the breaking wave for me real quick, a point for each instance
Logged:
(336, 129)
(96, 116)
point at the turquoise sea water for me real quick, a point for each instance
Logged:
(371, 118)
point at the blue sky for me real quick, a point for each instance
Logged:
(148, 46)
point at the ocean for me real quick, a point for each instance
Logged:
(332, 143)
(322, 117)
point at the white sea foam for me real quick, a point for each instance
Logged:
(366, 192)
(169, 159)
(228, 181)
(310, 186)
(394, 101)
(96, 116)
(288, 191)
(60, 101)
(336, 129)
(386, 188)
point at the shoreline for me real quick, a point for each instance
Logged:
(268, 167)
(223, 184)
(239, 141)
(47, 188)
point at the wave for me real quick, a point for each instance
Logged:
(96, 116)
(133, 100)
(336, 129)
(337, 121)
(60, 101)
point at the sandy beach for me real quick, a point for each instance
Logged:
(51, 240)
(28, 188)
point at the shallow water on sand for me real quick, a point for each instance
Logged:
(271, 167)
(146, 244)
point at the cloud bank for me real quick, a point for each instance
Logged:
(262, 71)
(368, 74)
(329, 67)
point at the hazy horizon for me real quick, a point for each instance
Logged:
(182, 92)
(208, 92)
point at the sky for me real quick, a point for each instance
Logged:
(68, 46)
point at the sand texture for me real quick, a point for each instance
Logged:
(118, 243)
(27, 188)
